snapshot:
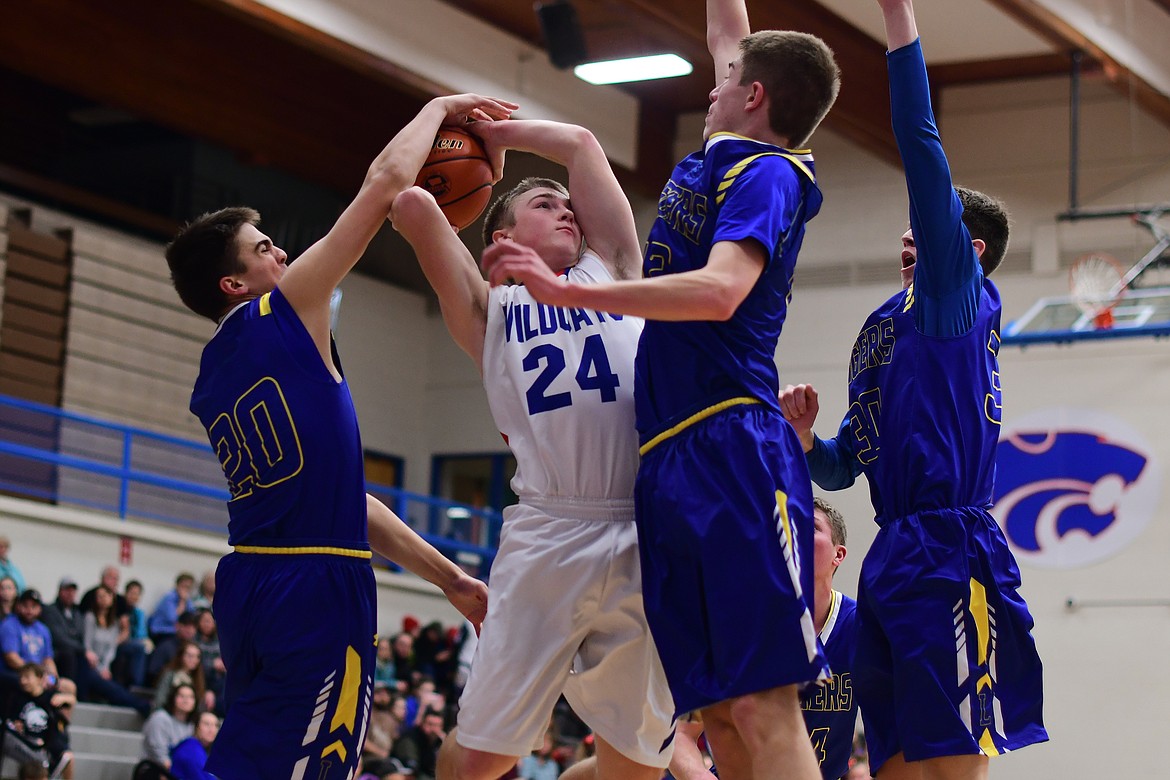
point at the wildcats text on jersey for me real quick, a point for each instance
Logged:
(683, 210)
(525, 321)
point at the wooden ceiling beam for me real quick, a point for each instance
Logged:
(1068, 38)
(950, 74)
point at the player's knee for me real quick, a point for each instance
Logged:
(459, 763)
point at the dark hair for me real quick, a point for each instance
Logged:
(173, 694)
(186, 619)
(799, 75)
(198, 681)
(104, 618)
(500, 214)
(204, 252)
(837, 530)
(133, 583)
(986, 219)
(35, 668)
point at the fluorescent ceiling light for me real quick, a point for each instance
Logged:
(657, 66)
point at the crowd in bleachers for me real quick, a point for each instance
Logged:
(110, 645)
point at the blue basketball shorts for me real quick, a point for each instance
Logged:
(724, 514)
(945, 662)
(297, 634)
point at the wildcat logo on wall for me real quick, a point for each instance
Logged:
(1073, 487)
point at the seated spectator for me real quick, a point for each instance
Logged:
(66, 624)
(384, 664)
(189, 756)
(130, 662)
(35, 728)
(424, 698)
(539, 764)
(186, 668)
(381, 733)
(404, 668)
(432, 653)
(165, 651)
(176, 602)
(8, 593)
(206, 595)
(418, 748)
(103, 633)
(208, 641)
(169, 725)
(110, 577)
(63, 619)
(24, 639)
(10, 569)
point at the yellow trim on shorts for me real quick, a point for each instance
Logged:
(695, 418)
(344, 552)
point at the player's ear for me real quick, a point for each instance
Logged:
(980, 246)
(756, 96)
(499, 233)
(839, 554)
(230, 285)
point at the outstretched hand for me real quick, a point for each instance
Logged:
(470, 597)
(469, 107)
(799, 404)
(507, 262)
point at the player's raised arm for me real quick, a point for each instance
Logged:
(310, 280)
(727, 25)
(449, 267)
(394, 539)
(599, 205)
(946, 271)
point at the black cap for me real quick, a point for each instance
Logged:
(32, 594)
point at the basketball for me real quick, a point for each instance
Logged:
(457, 172)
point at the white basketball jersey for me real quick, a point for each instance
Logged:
(560, 384)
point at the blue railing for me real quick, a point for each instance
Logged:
(61, 457)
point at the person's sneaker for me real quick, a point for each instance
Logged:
(59, 769)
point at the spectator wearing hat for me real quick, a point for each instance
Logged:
(66, 624)
(24, 639)
(8, 568)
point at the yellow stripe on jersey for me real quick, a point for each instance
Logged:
(694, 418)
(735, 170)
(265, 304)
(978, 609)
(782, 509)
(987, 744)
(344, 552)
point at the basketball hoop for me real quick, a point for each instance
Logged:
(1096, 282)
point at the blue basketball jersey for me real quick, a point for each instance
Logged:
(284, 430)
(830, 709)
(924, 371)
(732, 190)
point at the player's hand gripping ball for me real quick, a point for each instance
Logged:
(459, 175)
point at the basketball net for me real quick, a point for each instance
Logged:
(1096, 283)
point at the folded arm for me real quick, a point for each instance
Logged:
(599, 204)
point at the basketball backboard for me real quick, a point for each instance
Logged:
(1142, 312)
